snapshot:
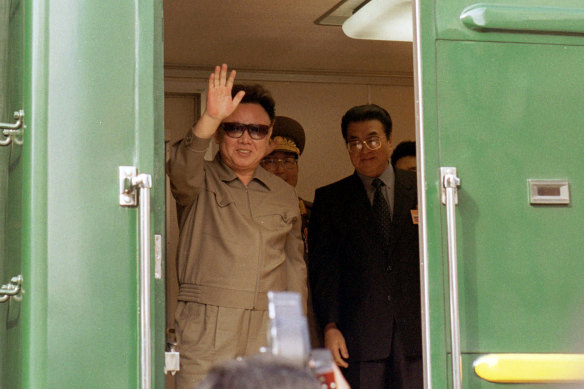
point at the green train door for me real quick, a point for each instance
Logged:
(11, 177)
(500, 91)
(82, 194)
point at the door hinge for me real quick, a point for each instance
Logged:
(13, 288)
(13, 131)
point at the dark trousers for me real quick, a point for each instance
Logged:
(395, 372)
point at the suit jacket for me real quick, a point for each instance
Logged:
(357, 283)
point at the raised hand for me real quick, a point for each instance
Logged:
(220, 104)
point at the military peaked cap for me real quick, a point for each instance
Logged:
(288, 135)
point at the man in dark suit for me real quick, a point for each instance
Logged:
(364, 261)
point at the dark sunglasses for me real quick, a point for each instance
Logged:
(236, 130)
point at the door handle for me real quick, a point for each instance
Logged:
(530, 368)
(13, 288)
(130, 182)
(13, 129)
(450, 183)
(515, 18)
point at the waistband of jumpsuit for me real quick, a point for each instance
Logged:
(223, 297)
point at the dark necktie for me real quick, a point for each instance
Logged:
(381, 208)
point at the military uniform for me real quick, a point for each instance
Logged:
(288, 136)
(236, 243)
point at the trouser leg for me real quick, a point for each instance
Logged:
(207, 335)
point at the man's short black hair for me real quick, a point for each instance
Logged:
(365, 112)
(404, 149)
(256, 93)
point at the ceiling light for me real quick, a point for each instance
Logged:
(388, 20)
(337, 15)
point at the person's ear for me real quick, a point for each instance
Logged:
(270, 131)
(271, 145)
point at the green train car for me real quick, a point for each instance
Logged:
(499, 135)
(499, 144)
(499, 92)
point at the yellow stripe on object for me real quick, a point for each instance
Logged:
(530, 368)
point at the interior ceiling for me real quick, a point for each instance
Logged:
(272, 35)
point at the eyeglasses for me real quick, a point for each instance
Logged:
(236, 130)
(273, 163)
(356, 145)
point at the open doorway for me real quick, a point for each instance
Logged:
(315, 73)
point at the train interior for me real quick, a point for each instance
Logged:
(299, 52)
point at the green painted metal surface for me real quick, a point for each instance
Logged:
(502, 107)
(93, 82)
(512, 120)
(11, 200)
(35, 178)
